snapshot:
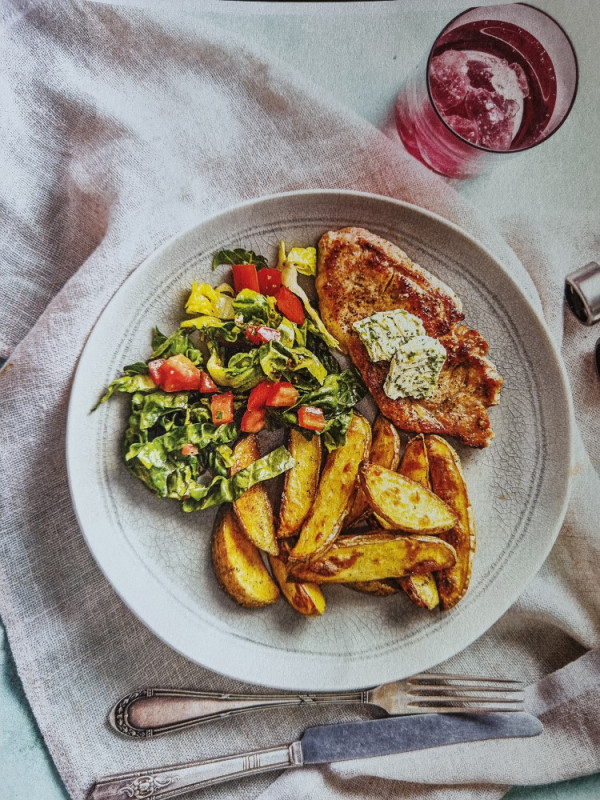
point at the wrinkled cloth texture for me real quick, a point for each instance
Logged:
(120, 128)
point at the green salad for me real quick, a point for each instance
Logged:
(249, 357)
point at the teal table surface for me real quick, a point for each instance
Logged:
(322, 44)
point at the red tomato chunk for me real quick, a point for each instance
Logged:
(282, 395)
(207, 385)
(221, 407)
(254, 421)
(260, 334)
(290, 305)
(189, 450)
(245, 277)
(258, 396)
(311, 418)
(154, 369)
(269, 280)
(175, 374)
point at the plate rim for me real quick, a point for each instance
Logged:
(249, 672)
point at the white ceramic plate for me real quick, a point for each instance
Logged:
(158, 558)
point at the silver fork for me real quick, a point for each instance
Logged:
(151, 712)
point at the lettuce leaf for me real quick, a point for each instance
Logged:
(238, 256)
(242, 372)
(257, 308)
(227, 490)
(279, 361)
(207, 301)
(304, 259)
(202, 435)
(214, 329)
(289, 278)
(333, 434)
(337, 393)
(179, 342)
(151, 407)
(158, 461)
(129, 384)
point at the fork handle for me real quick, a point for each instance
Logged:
(165, 782)
(152, 712)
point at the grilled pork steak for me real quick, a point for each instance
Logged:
(360, 273)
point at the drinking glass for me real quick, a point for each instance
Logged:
(497, 81)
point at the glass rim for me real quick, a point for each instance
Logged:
(479, 146)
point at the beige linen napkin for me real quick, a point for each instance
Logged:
(118, 129)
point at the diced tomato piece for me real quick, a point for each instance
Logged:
(269, 280)
(259, 334)
(282, 395)
(207, 385)
(189, 450)
(221, 407)
(154, 369)
(258, 396)
(178, 374)
(245, 277)
(254, 421)
(311, 418)
(290, 305)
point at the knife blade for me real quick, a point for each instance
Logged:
(382, 737)
(320, 745)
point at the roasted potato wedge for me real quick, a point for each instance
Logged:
(385, 450)
(300, 483)
(239, 568)
(334, 493)
(447, 481)
(415, 463)
(404, 504)
(422, 589)
(253, 509)
(306, 598)
(376, 555)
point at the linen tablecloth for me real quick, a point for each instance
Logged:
(120, 128)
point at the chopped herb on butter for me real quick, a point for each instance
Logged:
(385, 331)
(415, 368)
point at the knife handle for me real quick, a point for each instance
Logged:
(165, 782)
(151, 712)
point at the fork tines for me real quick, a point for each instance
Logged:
(464, 693)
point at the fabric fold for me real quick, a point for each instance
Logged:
(122, 128)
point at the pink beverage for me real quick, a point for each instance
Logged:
(490, 87)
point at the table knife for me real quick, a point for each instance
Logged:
(319, 745)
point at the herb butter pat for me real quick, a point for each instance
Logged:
(415, 368)
(385, 331)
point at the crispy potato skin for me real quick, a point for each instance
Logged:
(374, 556)
(306, 598)
(415, 463)
(300, 482)
(404, 504)
(334, 493)
(253, 509)
(381, 588)
(448, 483)
(421, 589)
(238, 566)
(385, 450)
